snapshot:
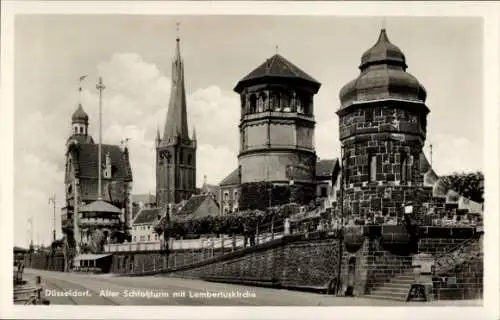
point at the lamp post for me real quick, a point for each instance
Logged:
(341, 209)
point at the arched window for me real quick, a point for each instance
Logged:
(253, 103)
(190, 159)
(261, 102)
(273, 101)
(265, 96)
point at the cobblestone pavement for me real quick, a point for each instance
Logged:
(111, 290)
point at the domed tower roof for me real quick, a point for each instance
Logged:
(383, 52)
(277, 69)
(383, 77)
(80, 116)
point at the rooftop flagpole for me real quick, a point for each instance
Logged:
(100, 86)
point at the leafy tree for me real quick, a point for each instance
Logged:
(468, 185)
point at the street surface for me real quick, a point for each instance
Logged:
(83, 289)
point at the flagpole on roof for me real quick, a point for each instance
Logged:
(100, 86)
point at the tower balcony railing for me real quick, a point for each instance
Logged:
(277, 114)
(275, 146)
(99, 221)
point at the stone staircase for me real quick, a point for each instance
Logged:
(398, 287)
(464, 252)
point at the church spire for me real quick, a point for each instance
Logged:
(176, 123)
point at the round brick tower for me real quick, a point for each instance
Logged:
(277, 125)
(382, 120)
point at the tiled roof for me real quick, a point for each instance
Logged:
(232, 179)
(209, 188)
(147, 216)
(87, 158)
(192, 204)
(324, 168)
(100, 206)
(112, 192)
(276, 67)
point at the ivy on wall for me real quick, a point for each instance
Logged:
(256, 195)
(241, 222)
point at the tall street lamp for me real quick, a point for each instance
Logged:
(341, 211)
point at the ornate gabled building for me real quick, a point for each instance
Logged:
(382, 121)
(81, 182)
(176, 151)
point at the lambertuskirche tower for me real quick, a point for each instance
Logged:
(176, 151)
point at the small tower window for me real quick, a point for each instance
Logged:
(190, 159)
(403, 167)
(373, 168)
(253, 103)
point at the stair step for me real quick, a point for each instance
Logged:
(388, 292)
(403, 290)
(402, 281)
(396, 285)
(384, 297)
(404, 277)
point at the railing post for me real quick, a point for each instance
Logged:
(212, 244)
(272, 228)
(222, 245)
(154, 264)
(143, 266)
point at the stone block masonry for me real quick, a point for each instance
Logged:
(372, 256)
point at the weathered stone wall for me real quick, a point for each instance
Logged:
(465, 282)
(382, 146)
(286, 263)
(143, 262)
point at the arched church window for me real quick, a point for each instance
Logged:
(253, 103)
(181, 157)
(190, 159)
(81, 130)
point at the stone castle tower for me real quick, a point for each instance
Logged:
(176, 151)
(382, 120)
(277, 125)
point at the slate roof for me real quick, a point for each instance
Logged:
(112, 192)
(100, 206)
(192, 204)
(325, 167)
(209, 188)
(276, 67)
(86, 159)
(232, 179)
(147, 216)
(80, 115)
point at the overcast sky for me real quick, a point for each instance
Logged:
(133, 54)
